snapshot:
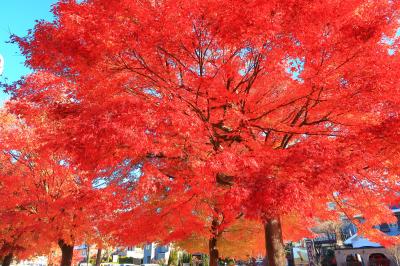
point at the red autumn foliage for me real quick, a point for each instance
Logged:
(43, 198)
(292, 104)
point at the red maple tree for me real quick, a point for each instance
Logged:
(295, 102)
(45, 201)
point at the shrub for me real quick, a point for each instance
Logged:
(123, 260)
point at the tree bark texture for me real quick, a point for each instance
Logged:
(275, 249)
(98, 257)
(7, 260)
(67, 252)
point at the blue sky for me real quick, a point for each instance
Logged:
(17, 17)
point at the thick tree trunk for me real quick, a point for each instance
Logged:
(7, 260)
(274, 243)
(98, 257)
(67, 252)
(213, 250)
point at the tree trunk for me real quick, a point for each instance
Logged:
(66, 253)
(213, 250)
(274, 243)
(98, 257)
(88, 255)
(7, 259)
(338, 233)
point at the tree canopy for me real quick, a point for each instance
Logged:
(279, 107)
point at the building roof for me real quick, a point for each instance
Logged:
(358, 242)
